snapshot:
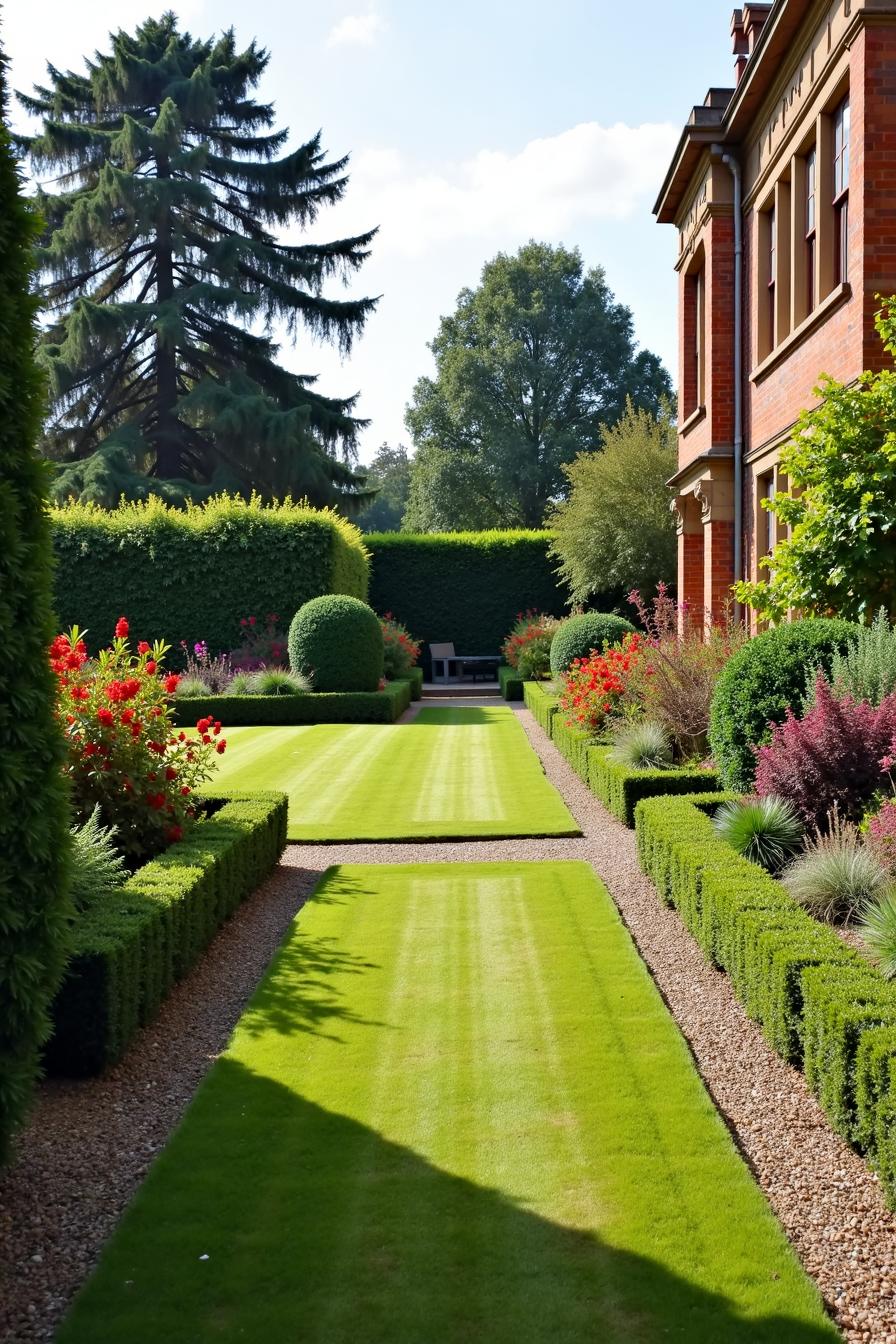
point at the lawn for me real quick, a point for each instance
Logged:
(456, 1109)
(452, 773)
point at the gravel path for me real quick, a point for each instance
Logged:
(90, 1143)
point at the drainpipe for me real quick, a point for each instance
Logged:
(731, 163)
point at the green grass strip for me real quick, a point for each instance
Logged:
(456, 1109)
(451, 773)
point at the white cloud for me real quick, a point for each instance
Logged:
(588, 173)
(359, 30)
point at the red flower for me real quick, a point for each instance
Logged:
(221, 747)
(171, 683)
(143, 647)
(174, 834)
(151, 667)
(251, 620)
(105, 716)
(121, 628)
(170, 772)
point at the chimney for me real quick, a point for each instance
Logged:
(754, 17)
(741, 49)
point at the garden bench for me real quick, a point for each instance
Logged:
(450, 666)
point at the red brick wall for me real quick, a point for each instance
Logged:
(873, 195)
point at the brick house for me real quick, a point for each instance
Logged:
(783, 192)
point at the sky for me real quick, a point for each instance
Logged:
(471, 127)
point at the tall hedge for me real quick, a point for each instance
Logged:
(463, 587)
(33, 813)
(192, 574)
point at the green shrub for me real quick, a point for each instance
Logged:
(572, 742)
(866, 669)
(510, 682)
(128, 952)
(542, 703)
(620, 788)
(277, 681)
(237, 711)
(464, 587)
(337, 642)
(34, 836)
(766, 830)
(415, 678)
(578, 635)
(192, 574)
(760, 682)
(877, 929)
(641, 745)
(97, 864)
(193, 686)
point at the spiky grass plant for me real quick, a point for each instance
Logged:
(277, 681)
(98, 867)
(193, 686)
(240, 684)
(642, 746)
(877, 929)
(767, 830)
(837, 875)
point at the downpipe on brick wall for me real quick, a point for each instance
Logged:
(733, 166)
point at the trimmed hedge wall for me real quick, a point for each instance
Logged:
(542, 702)
(573, 743)
(192, 574)
(510, 682)
(240, 711)
(465, 587)
(620, 788)
(128, 950)
(415, 677)
(818, 1002)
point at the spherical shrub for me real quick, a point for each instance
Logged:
(759, 683)
(337, 643)
(579, 635)
(642, 746)
(767, 830)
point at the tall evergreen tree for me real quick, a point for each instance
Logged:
(163, 276)
(34, 841)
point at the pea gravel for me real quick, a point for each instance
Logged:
(90, 1143)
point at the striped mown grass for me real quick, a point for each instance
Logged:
(456, 1109)
(451, 773)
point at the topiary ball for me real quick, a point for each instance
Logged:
(337, 642)
(759, 683)
(578, 635)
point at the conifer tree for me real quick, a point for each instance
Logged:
(163, 274)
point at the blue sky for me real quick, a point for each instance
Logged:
(472, 127)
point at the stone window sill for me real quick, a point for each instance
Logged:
(809, 324)
(693, 419)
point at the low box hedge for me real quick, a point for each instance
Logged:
(128, 950)
(415, 677)
(620, 788)
(542, 701)
(573, 743)
(238, 711)
(510, 682)
(819, 1003)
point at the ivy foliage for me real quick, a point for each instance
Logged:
(840, 556)
(34, 835)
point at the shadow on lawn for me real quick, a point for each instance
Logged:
(272, 1219)
(434, 718)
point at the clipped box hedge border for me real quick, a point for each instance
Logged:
(241, 711)
(620, 788)
(542, 701)
(821, 1005)
(510, 682)
(128, 950)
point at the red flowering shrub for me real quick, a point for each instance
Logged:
(835, 756)
(263, 644)
(881, 837)
(595, 686)
(528, 646)
(400, 651)
(124, 754)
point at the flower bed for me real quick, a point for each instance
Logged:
(819, 1004)
(620, 788)
(386, 706)
(128, 949)
(542, 702)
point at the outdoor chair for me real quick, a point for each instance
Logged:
(449, 666)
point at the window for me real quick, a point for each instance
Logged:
(767, 519)
(841, 192)
(771, 272)
(699, 304)
(694, 342)
(811, 213)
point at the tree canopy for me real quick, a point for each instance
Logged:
(163, 276)
(616, 530)
(389, 473)
(529, 368)
(840, 506)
